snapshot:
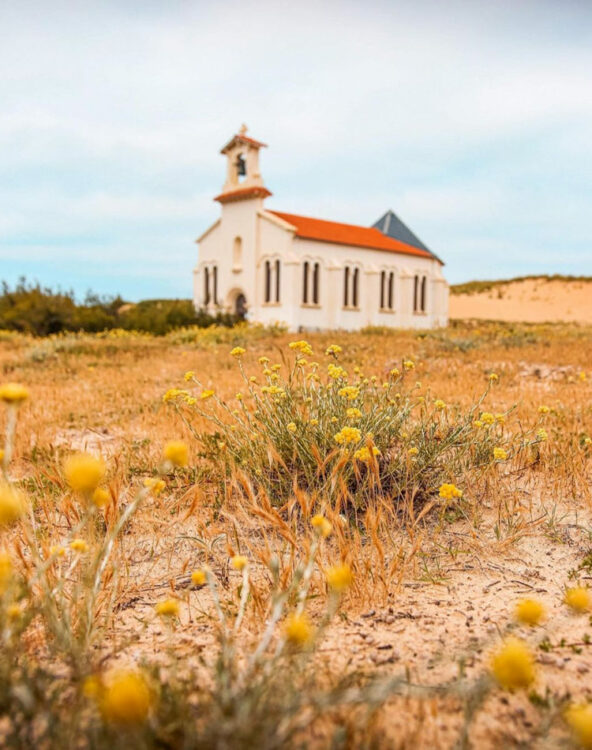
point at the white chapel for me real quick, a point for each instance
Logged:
(311, 274)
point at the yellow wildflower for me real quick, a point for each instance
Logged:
(125, 698)
(439, 404)
(263, 360)
(13, 393)
(529, 612)
(450, 492)
(333, 350)
(189, 375)
(84, 472)
(487, 418)
(339, 577)
(348, 435)
(582, 376)
(276, 368)
(500, 418)
(493, 377)
(291, 427)
(395, 372)
(56, 550)
(205, 394)
(542, 435)
(12, 504)
(100, 497)
(14, 611)
(544, 409)
(353, 413)
(513, 664)
(172, 394)
(321, 525)
(176, 452)
(500, 454)
(579, 599)
(313, 422)
(301, 346)
(363, 454)
(238, 351)
(79, 545)
(198, 577)
(155, 485)
(334, 420)
(408, 364)
(167, 608)
(350, 392)
(477, 423)
(413, 451)
(579, 720)
(298, 630)
(239, 562)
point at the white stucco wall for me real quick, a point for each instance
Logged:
(265, 237)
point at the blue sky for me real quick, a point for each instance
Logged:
(471, 120)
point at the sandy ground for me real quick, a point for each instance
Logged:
(530, 301)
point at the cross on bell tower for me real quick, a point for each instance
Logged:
(243, 178)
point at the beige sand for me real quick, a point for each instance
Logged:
(531, 301)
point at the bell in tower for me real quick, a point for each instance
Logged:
(241, 166)
(243, 178)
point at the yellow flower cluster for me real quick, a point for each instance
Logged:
(84, 472)
(333, 350)
(450, 492)
(198, 577)
(513, 665)
(339, 577)
(321, 525)
(205, 394)
(579, 720)
(301, 346)
(439, 404)
(500, 454)
(155, 485)
(350, 392)
(348, 435)
(124, 699)
(579, 599)
(542, 435)
(239, 562)
(487, 418)
(298, 630)
(12, 504)
(353, 413)
(238, 351)
(408, 364)
(529, 612)
(363, 454)
(167, 608)
(177, 453)
(13, 393)
(291, 427)
(336, 372)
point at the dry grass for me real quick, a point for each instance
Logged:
(435, 583)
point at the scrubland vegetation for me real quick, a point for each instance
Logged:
(238, 538)
(40, 311)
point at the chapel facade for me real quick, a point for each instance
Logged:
(311, 274)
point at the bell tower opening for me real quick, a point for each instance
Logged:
(243, 178)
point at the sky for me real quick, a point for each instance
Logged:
(472, 120)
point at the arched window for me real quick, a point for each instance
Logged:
(391, 290)
(267, 281)
(346, 287)
(315, 284)
(356, 277)
(215, 284)
(237, 253)
(271, 282)
(206, 286)
(382, 289)
(423, 293)
(305, 282)
(415, 293)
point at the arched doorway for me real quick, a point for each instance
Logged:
(240, 306)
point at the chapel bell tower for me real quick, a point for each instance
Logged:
(243, 178)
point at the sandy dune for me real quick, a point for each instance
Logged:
(530, 301)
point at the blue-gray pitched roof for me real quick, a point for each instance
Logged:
(392, 226)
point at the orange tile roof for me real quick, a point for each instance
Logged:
(255, 191)
(242, 138)
(347, 234)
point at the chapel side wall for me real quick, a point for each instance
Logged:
(331, 312)
(275, 242)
